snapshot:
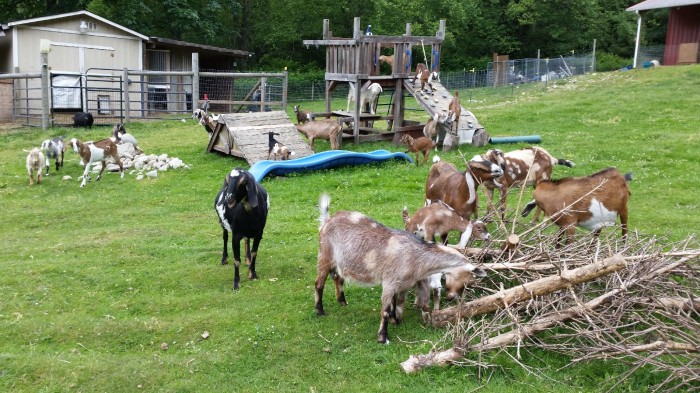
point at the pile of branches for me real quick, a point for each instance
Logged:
(633, 301)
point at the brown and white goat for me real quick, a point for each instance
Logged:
(524, 167)
(35, 163)
(352, 246)
(591, 202)
(418, 145)
(276, 148)
(437, 127)
(426, 78)
(92, 152)
(302, 116)
(455, 110)
(439, 219)
(321, 129)
(458, 189)
(120, 136)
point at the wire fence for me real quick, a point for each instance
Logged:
(501, 77)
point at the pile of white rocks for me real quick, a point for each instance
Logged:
(141, 164)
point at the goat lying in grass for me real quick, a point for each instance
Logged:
(354, 247)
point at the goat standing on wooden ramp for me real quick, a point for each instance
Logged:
(35, 163)
(354, 247)
(92, 152)
(590, 202)
(277, 148)
(242, 206)
(455, 110)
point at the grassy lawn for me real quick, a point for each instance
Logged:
(95, 281)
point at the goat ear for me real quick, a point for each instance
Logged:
(252, 189)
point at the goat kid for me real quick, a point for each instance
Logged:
(277, 148)
(439, 219)
(455, 110)
(35, 163)
(242, 205)
(437, 127)
(418, 145)
(369, 94)
(302, 116)
(53, 149)
(458, 189)
(83, 119)
(352, 246)
(92, 152)
(119, 136)
(321, 129)
(426, 77)
(590, 202)
(524, 167)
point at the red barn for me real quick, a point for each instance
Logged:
(682, 34)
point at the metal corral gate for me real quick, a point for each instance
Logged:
(97, 93)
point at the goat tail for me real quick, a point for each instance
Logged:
(436, 158)
(528, 208)
(569, 163)
(404, 214)
(324, 203)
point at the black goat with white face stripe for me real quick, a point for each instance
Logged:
(242, 205)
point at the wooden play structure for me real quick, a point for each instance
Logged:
(356, 60)
(244, 135)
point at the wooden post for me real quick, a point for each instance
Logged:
(195, 80)
(356, 33)
(125, 92)
(45, 110)
(326, 29)
(284, 89)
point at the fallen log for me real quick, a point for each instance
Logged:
(527, 291)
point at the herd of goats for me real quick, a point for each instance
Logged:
(355, 247)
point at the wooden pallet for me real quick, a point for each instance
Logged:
(245, 135)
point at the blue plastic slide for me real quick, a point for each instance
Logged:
(323, 160)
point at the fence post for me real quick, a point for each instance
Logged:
(195, 80)
(45, 89)
(127, 100)
(284, 89)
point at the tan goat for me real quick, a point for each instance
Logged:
(418, 145)
(590, 202)
(35, 163)
(321, 129)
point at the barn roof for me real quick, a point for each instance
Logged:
(656, 4)
(77, 13)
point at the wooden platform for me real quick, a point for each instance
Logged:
(244, 135)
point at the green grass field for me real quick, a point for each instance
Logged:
(94, 281)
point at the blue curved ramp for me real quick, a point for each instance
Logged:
(323, 160)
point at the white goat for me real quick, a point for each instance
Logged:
(355, 247)
(53, 149)
(35, 162)
(119, 133)
(369, 94)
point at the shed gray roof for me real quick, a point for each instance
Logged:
(656, 4)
